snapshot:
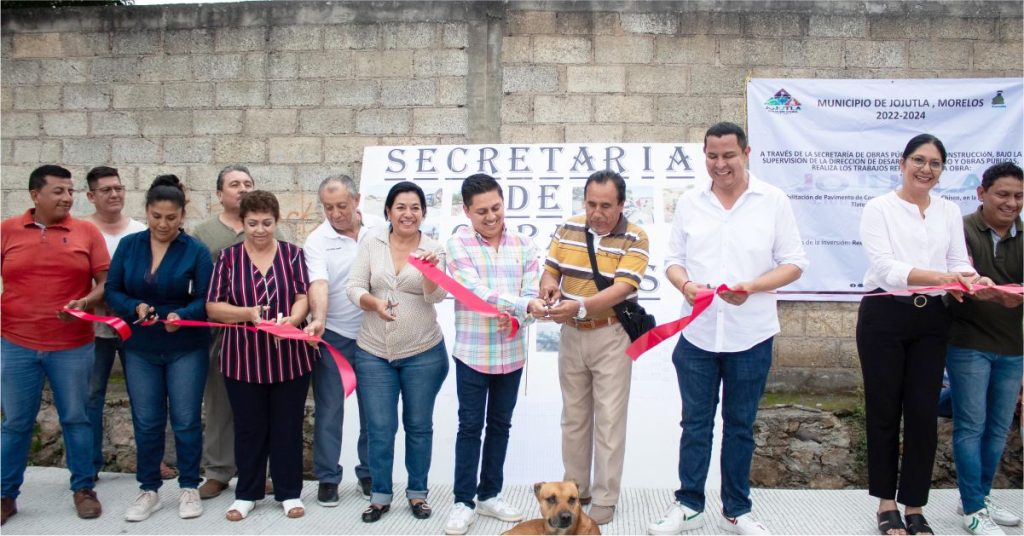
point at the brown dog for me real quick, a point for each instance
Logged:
(560, 506)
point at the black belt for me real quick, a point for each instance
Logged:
(917, 300)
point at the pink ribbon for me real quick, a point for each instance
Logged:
(284, 331)
(119, 325)
(462, 294)
(702, 301)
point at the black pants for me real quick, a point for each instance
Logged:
(902, 351)
(268, 423)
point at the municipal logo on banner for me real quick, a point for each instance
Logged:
(782, 103)
(998, 101)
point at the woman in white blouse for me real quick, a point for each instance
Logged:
(400, 348)
(913, 238)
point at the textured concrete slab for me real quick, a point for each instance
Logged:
(45, 508)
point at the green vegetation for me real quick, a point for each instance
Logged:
(840, 404)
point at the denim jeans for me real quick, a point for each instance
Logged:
(22, 372)
(417, 379)
(329, 397)
(483, 398)
(106, 349)
(173, 380)
(742, 376)
(985, 387)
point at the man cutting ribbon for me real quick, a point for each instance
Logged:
(499, 266)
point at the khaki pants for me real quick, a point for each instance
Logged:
(219, 433)
(594, 372)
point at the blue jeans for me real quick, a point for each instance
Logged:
(329, 397)
(985, 387)
(490, 398)
(742, 376)
(417, 379)
(106, 349)
(22, 372)
(156, 382)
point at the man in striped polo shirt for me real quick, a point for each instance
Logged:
(593, 368)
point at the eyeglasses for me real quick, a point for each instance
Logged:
(919, 163)
(107, 190)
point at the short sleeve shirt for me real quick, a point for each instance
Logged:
(257, 357)
(43, 268)
(622, 255)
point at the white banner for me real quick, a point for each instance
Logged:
(832, 145)
(543, 186)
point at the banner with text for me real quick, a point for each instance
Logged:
(543, 186)
(832, 145)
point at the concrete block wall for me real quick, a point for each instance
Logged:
(297, 89)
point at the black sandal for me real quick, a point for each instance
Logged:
(917, 524)
(420, 510)
(374, 512)
(890, 520)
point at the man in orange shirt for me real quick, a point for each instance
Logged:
(48, 261)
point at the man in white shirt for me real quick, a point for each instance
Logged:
(329, 251)
(107, 194)
(740, 231)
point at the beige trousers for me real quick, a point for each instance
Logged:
(594, 372)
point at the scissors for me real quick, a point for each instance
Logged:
(150, 316)
(391, 306)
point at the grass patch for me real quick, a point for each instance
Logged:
(840, 404)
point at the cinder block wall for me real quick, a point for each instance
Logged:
(297, 89)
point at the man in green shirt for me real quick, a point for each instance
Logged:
(984, 357)
(218, 232)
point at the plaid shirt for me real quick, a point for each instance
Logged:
(508, 279)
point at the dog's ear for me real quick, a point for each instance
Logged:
(574, 483)
(536, 489)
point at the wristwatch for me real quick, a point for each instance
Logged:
(582, 313)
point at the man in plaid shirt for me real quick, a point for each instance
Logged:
(500, 266)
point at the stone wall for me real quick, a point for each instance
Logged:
(297, 89)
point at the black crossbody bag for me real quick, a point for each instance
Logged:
(634, 319)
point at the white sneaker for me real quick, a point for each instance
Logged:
(189, 504)
(145, 503)
(677, 518)
(1000, 515)
(980, 523)
(459, 521)
(744, 524)
(497, 507)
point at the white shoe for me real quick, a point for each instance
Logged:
(496, 507)
(676, 519)
(241, 510)
(744, 524)
(189, 504)
(460, 519)
(1000, 515)
(980, 523)
(145, 503)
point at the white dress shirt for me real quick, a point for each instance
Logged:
(329, 255)
(897, 239)
(718, 246)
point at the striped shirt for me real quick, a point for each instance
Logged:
(507, 279)
(252, 357)
(621, 254)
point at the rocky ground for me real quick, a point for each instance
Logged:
(796, 446)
